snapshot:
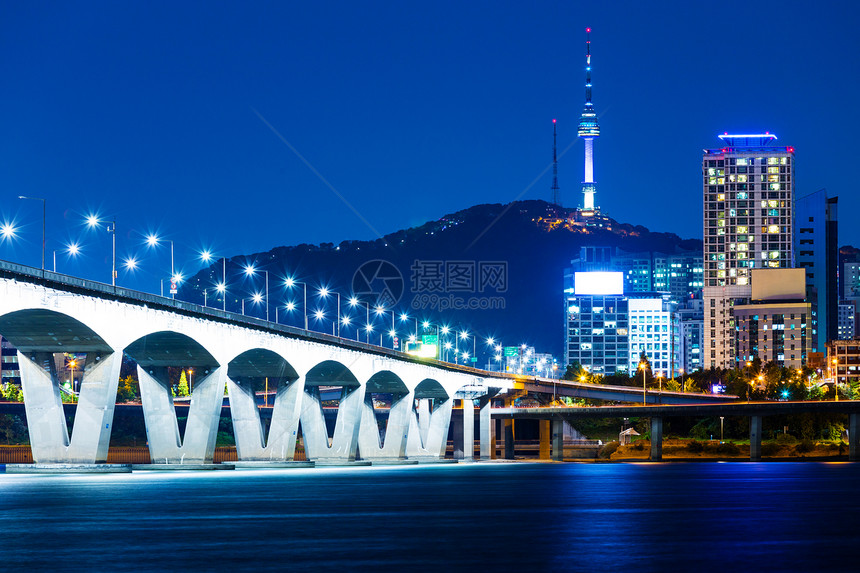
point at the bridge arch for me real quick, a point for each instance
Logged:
(249, 372)
(39, 334)
(44, 330)
(383, 432)
(155, 353)
(342, 385)
(430, 417)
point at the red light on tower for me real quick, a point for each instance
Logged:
(588, 30)
(553, 121)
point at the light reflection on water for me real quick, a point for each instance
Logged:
(504, 517)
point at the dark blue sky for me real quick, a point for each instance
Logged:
(146, 112)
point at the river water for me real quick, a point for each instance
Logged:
(794, 516)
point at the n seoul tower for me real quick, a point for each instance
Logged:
(588, 131)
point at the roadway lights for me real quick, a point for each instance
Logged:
(250, 270)
(323, 292)
(353, 301)
(289, 282)
(369, 328)
(130, 263)
(221, 287)
(445, 330)
(291, 306)
(73, 249)
(413, 338)
(490, 341)
(7, 230)
(319, 315)
(379, 309)
(345, 321)
(205, 256)
(152, 240)
(92, 221)
(257, 298)
(464, 335)
(425, 324)
(404, 317)
(177, 278)
(392, 333)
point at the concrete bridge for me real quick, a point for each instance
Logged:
(43, 313)
(754, 410)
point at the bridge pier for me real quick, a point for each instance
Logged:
(46, 420)
(392, 445)
(432, 444)
(755, 438)
(509, 439)
(197, 445)
(342, 446)
(252, 443)
(545, 435)
(558, 440)
(468, 430)
(656, 439)
(853, 436)
(485, 424)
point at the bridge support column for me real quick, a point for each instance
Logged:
(558, 440)
(393, 446)
(433, 444)
(344, 442)
(509, 439)
(46, 420)
(485, 423)
(458, 433)
(468, 430)
(656, 439)
(853, 437)
(755, 438)
(197, 446)
(280, 445)
(545, 447)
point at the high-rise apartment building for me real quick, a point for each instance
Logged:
(748, 199)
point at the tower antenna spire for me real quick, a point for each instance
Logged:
(589, 130)
(555, 190)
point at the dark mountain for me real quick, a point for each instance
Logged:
(505, 261)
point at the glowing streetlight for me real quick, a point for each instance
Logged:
(289, 282)
(7, 230)
(250, 270)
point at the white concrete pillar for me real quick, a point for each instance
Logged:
(197, 446)
(437, 432)
(46, 421)
(344, 442)
(468, 430)
(424, 418)
(251, 442)
(393, 444)
(485, 424)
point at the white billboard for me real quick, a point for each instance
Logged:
(598, 283)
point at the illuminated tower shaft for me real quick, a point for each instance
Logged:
(589, 130)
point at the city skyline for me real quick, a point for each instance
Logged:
(412, 114)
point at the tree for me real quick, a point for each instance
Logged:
(573, 372)
(182, 390)
(128, 389)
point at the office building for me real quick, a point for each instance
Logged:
(846, 329)
(596, 322)
(817, 251)
(653, 331)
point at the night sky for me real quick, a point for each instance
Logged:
(163, 115)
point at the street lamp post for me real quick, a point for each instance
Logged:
(289, 283)
(721, 428)
(44, 221)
